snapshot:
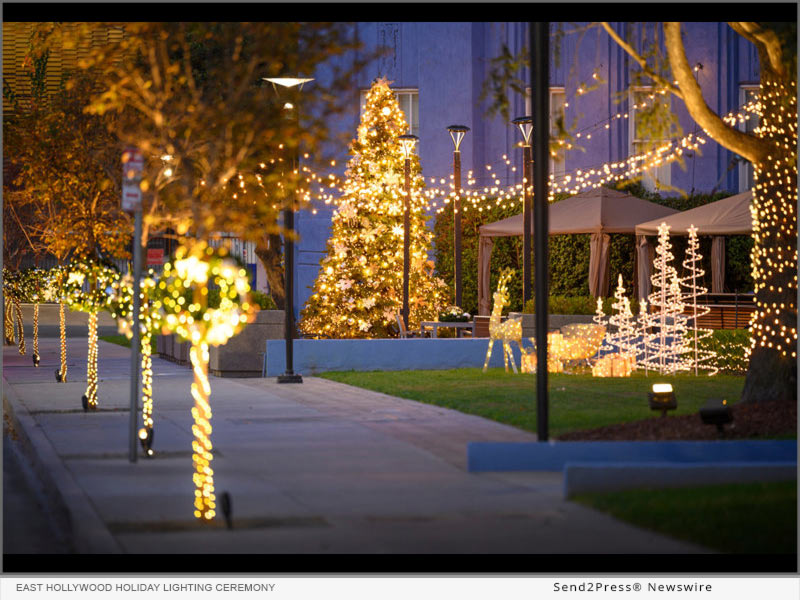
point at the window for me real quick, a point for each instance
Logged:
(409, 103)
(639, 144)
(558, 163)
(747, 93)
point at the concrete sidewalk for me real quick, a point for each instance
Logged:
(320, 467)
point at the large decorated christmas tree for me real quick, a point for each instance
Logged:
(359, 289)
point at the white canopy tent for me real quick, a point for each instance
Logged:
(729, 216)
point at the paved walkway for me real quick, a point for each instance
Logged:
(320, 467)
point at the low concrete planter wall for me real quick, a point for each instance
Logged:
(553, 321)
(317, 356)
(243, 355)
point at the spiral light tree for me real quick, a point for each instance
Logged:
(120, 304)
(181, 297)
(90, 298)
(700, 358)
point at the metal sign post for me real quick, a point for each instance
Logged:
(132, 165)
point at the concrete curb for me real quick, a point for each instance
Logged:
(74, 512)
(593, 477)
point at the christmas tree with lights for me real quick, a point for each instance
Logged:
(359, 290)
(699, 356)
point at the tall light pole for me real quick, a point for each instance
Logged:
(288, 222)
(540, 100)
(457, 133)
(408, 141)
(525, 125)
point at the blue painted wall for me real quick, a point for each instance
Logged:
(448, 63)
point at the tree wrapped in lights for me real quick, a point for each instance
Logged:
(700, 358)
(666, 347)
(358, 291)
(87, 287)
(120, 305)
(181, 299)
(15, 290)
(57, 278)
(37, 289)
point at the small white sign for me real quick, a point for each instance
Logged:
(132, 165)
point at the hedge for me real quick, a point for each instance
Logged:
(569, 254)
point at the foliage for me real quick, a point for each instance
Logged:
(88, 285)
(66, 177)
(260, 299)
(181, 295)
(215, 137)
(747, 518)
(577, 305)
(359, 288)
(732, 349)
(453, 314)
(577, 402)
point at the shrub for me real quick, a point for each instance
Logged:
(264, 301)
(577, 305)
(732, 347)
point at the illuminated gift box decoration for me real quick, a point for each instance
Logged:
(614, 365)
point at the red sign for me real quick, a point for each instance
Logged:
(155, 256)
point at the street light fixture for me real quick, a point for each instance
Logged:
(457, 133)
(407, 141)
(288, 221)
(525, 125)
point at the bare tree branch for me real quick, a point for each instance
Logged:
(766, 39)
(640, 59)
(748, 146)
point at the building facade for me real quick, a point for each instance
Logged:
(439, 71)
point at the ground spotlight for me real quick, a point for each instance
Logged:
(716, 412)
(662, 398)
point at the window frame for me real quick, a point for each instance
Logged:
(745, 166)
(397, 92)
(554, 89)
(661, 175)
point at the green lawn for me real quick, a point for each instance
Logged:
(576, 401)
(753, 518)
(121, 340)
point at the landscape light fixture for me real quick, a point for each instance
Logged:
(407, 141)
(288, 221)
(716, 412)
(662, 398)
(457, 133)
(525, 125)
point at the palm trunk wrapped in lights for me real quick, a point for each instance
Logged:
(146, 432)
(18, 312)
(61, 374)
(95, 298)
(90, 398)
(8, 322)
(201, 446)
(181, 300)
(36, 334)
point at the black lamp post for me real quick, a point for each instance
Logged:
(407, 141)
(288, 222)
(457, 133)
(525, 125)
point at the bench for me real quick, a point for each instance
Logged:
(727, 311)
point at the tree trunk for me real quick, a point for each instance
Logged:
(269, 253)
(772, 373)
